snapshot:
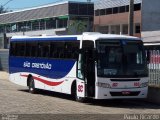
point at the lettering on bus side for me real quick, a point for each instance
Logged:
(37, 65)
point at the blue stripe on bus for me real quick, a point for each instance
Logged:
(51, 68)
(46, 39)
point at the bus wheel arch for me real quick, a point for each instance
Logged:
(73, 88)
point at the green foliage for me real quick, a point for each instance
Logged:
(77, 27)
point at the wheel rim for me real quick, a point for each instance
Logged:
(31, 89)
(31, 85)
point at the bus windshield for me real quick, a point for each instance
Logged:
(121, 58)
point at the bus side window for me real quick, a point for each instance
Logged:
(71, 49)
(75, 53)
(43, 49)
(60, 49)
(13, 49)
(52, 50)
(18, 49)
(31, 49)
(64, 50)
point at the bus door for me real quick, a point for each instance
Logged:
(86, 69)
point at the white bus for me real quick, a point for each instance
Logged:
(91, 65)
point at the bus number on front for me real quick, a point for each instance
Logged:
(136, 84)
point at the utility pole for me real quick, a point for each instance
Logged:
(131, 18)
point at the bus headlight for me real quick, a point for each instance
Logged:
(144, 84)
(104, 85)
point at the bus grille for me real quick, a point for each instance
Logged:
(122, 94)
(124, 80)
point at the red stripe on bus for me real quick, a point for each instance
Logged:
(45, 81)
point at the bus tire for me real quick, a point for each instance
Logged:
(31, 86)
(80, 99)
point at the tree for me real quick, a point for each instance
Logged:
(2, 9)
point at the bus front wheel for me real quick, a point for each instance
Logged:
(74, 93)
(31, 86)
(79, 99)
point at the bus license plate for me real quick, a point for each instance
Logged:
(126, 92)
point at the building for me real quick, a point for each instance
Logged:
(111, 16)
(53, 19)
(151, 21)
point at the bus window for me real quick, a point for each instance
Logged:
(31, 49)
(64, 50)
(13, 49)
(21, 49)
(57, 50)
(17, 49)
(71, 50)
(53, 51)
(43, 49)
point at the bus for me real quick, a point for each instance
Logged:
(91, 65)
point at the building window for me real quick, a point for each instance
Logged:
(73, 9)
(50, 23)
(115, 10)
(62, 23)
(1, 28)
(125, 29)
(127, 8)
(108, 11)
(8, 28)
(137, 28)
(82, 9)
(90, 9)
(13, 27)
(24, 26)
(115, 29)
(122, 9)
(42, 24)
(20, 26)
(97, 12)
(102, 11)
(104, 29)
(35, 25)
(137, 7)
(28, 26)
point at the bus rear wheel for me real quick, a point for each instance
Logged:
(31, 86)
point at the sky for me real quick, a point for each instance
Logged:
(22, 4)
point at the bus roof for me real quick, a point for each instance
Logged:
(85, 36)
